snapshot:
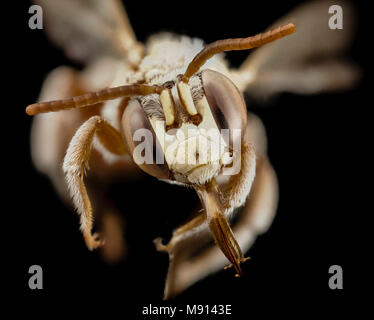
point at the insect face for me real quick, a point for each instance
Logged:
(191, 130)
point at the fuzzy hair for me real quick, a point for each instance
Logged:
(197, 90)
(152, 107)
(75, 164)
(240, 185)
(169, 55)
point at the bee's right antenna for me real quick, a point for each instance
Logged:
(92, 98)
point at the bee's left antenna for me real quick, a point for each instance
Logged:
(235, 44)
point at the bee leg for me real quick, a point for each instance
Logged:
(231, 265)
(179, 249)
(219, 225)
(181, 233)
(76, 163)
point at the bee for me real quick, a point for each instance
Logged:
(173, 108)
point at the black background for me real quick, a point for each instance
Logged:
(315, 145)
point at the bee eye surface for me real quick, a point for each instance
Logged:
(226, 102)
(141, 141)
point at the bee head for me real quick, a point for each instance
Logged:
(193, 130)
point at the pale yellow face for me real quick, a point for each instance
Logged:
(196, 153)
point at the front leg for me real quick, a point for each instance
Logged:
(220, 202)
(219, 226)
(76, 164)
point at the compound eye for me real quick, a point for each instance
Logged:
(141, 141)
(227, 104)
